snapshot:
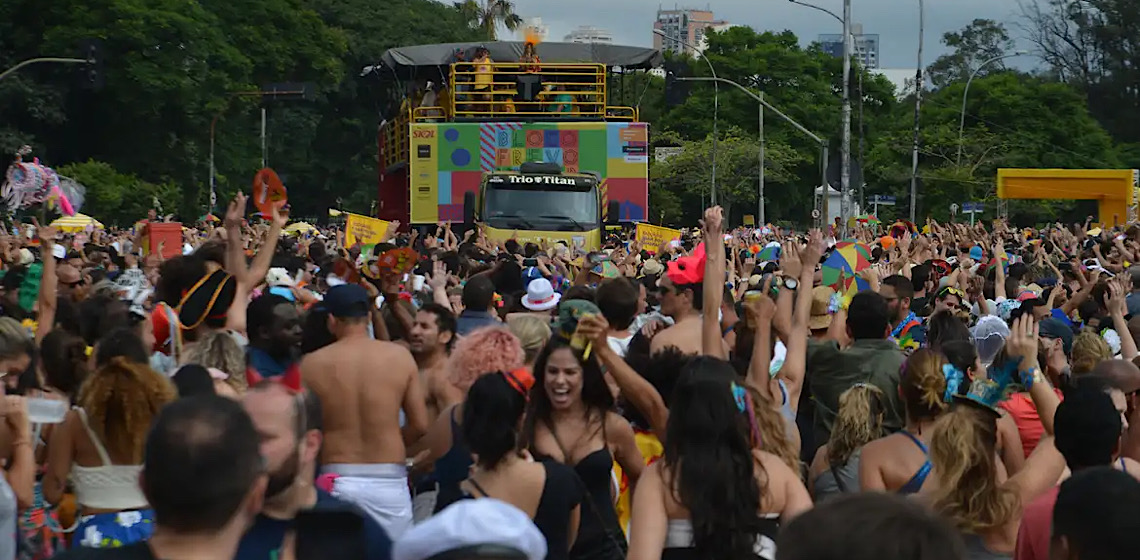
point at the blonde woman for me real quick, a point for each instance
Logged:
(1089, 349)
(967, 485)
(533, 333)
(901, 462)
(218, 352)
(835, 469)
(99, 447)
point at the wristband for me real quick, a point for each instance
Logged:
(1030, 376)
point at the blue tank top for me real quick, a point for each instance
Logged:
(913, 485)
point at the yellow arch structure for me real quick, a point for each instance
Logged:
(1114, 189)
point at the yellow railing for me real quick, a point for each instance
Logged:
(395, 136)
(499, 90)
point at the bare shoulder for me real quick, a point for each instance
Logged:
(618, 426)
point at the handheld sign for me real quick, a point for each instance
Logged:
(268, 191)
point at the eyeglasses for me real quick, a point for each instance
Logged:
(74, 284)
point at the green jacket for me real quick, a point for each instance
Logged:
(831, 371)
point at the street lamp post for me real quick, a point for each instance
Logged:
(966, 93)
(716, 109)
(765, 105)
(845, 157)
(917, 112)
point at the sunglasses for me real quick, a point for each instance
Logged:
(74, 284)
(951, 291)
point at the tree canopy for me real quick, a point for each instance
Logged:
(176, 75)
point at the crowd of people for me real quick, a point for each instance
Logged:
(960, 393)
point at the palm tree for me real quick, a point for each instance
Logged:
(488, 14)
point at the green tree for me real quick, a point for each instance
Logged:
(688, 176)
(487, 15)
(1011, 121)
(116, 198)
(980, 41)
(1095, 46)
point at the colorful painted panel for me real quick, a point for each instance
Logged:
(449, 159)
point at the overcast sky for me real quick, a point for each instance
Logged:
(895, 21)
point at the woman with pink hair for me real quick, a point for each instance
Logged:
(484, 351)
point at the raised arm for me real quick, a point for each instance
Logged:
(712, 342)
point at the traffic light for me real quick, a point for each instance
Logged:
(92, 72)
(676, 91)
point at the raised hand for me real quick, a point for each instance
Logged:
(235, 211)
(791, 262)
(438, 278)
(1023, 340)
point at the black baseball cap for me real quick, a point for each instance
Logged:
(348, 301)
(1056, 328)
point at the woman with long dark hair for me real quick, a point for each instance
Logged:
(571, 420)
(713, 495)
(549, 492)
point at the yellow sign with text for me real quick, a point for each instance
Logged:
(364, 230)
(653, 238)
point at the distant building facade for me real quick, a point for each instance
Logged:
(866, 46)
(590, 34)
(684, 30)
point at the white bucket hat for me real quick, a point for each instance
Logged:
(540, 295)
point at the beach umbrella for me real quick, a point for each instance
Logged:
(299, 228)
(76, 223)
(848, 257)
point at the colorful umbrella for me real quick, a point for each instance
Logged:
(209, 218)
(769, 253)
(848, 257)
(993, 262)
(865, 219)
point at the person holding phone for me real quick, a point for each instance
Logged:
(289, 424)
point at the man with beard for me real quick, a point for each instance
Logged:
(906, 329)
(430, 341)
(289, 425)
(274, 335)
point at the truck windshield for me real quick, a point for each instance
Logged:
(541, 207)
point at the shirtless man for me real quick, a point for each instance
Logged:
(682, 303)
(430, 340)
(364, 384)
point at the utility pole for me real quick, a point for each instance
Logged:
(765, 105)
(918, 82)
(845, 158)
(763, 158)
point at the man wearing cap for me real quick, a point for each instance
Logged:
(364, 384)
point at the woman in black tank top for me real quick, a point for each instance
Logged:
(548, 492)
(570, 420)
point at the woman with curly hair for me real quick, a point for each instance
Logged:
(485, 351)
(99, 446)
(967, 487)
(714, 495)
(218, 352)
(900, 462)
(835, 469)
